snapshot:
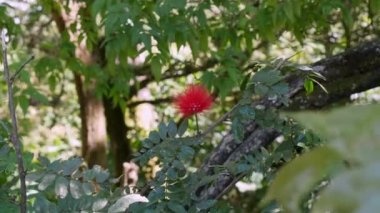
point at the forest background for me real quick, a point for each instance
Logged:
(94, 83)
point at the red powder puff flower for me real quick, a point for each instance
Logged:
(194, 100)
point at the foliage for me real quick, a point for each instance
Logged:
(349, 161)
(222, 31)
(224, 38)
(173, 187)
(7, 168)
(65, 185)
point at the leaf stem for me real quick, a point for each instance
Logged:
(196, 122)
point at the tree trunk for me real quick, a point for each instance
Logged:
(93, 131)
(93, 121)
(117, 132)
(353, 71)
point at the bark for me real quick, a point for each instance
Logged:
(117, 132)
(353, 71)
(14, 135)
(93, 122)
(93, 131)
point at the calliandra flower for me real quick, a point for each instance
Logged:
(195, 99)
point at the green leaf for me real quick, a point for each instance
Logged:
(309, 86)
(147, 144)
(147, 41)
(183, 127)
(320, 85)
(267, 76)
(240, 168)
(353, 131)
(374, 6)
(225, 86)
(43, 160)
(139, 207)
(208, 78)
(156, 194)
(194, 45)
(261, 89)
(24, 103)
(280, 88)
(297, 7)
(61, 185)
(8, 205)
(178, 165)
(55, 166)
(88, 189)
(34, 176)
(154, 136)
(352, 191)
(172, 174)
(186, 153)
(178, 4)
(234, 74)
(76, 189)
(347, 18)
(237, 130)
(176, 207)
(162, 130)
(172, 129)
(124, 202)
(36, 95)
(71, 165)
(88, 175)
(156, 68)
(203, 42)
(98, 6)
(100, 174)
(247, 111)
(47, 180)
(299, 176)
(288, 9)
(99, 204)
(205, 204)
(4, 150)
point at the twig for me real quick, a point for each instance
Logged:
(232, 184)
(279, 65)
(14, 133)
(14, 76)
(216, 123)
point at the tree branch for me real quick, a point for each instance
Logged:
(353, 71)
(217, 122)
(186, 70)
(18, 71)
(154, 101)
(14, 133)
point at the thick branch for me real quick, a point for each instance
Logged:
(154, 102)
(14, 133)
(353, 71)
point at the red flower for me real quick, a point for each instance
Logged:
(194, 100)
